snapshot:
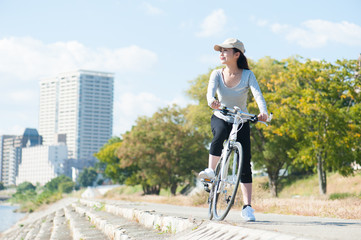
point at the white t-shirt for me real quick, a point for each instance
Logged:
(235, 96)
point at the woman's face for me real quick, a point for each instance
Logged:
(227, 55)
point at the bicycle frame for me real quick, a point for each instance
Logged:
(239, 118)
(228, 145)
(224, 186)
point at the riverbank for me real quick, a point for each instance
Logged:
(9, 216)
(28, 218)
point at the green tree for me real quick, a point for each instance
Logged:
(270, 145)
(164, 150)
(66, 187)
(109, 162)
(87, 177)
(198, 115)
(319, 105)
(2, 187)
(53, 184)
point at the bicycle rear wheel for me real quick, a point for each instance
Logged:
(226, 186)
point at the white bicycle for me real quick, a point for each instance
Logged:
(223, 188)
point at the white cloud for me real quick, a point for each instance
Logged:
(21, 95)
(318, 33)
(213, 24)
(143, 103)
(130, 106)
(13, 130)
(258, 21)
(279, 28)
(181, 101)
(24, 61)
(151, 10)
(28, 58)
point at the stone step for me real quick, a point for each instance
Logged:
(46, 227)
(149, 219)
(116, 227)
(95, 219)
(61, 228)
(81, 227)
(34, 229)
(20, 232)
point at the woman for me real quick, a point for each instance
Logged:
(231, 84)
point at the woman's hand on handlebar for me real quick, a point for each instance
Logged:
(216, 104)
(262, 117)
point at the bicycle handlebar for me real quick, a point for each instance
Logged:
(245, 116)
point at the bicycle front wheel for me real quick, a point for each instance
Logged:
(211, 193)
(227, 182)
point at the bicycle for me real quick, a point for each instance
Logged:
(228, 170)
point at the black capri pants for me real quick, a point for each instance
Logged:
(221, 130)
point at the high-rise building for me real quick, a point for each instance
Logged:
(78, 106)
(7, 158)
(10, 153)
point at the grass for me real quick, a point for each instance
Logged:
(301, 197)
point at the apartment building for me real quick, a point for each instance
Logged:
(78, 105)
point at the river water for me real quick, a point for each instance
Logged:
(8, 217)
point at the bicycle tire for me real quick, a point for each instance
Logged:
(210, 198)
(225, 192)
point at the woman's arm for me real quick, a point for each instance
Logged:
(211, 91)
(258, 96)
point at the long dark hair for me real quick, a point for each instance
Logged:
(242, 62)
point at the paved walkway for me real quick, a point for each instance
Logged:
(300, 226)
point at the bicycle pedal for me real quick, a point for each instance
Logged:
(206, 187)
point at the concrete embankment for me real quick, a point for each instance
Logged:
(110, 219)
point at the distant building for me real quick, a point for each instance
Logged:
(41, 163)
(10, 153)
(78, 106)
(7, 159)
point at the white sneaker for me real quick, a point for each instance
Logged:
(247, 214)
(207, 173)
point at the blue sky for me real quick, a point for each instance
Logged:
(155, 47)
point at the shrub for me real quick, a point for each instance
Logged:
(53, 185)
(335, 196)
(66, 187)
(23, 187)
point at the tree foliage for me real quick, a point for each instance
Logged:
(87, 177)
(163, 149)
(31, 197)
(25, 186)
(199, 115)
(319, 103)
(270, 150)
(54, 184)
(109, 162)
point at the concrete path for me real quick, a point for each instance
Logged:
(109, 219)
(298, 226)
